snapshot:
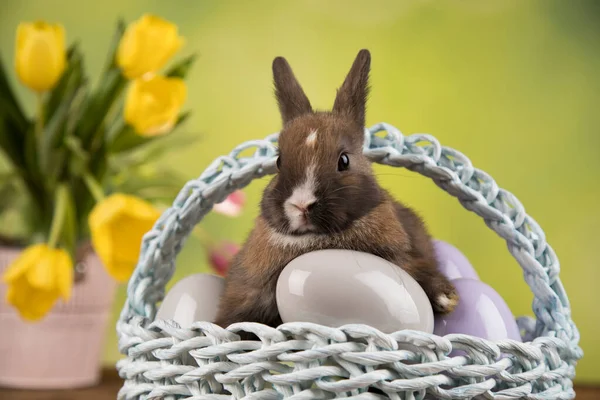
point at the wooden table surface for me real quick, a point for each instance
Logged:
(111, 383)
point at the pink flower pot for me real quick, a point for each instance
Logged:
(63, 350)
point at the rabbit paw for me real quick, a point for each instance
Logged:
(446, 301)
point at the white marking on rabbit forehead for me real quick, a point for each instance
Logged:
(304, 193)
(311, 139)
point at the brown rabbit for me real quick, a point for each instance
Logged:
(325, 196)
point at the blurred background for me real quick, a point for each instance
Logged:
(513, 85)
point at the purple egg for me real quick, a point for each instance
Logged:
(480, 312)
(452, 262)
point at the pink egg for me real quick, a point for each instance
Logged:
(481, 312)
(452, 262)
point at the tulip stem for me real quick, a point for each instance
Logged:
(39, 122)
(58, 217)
(94, 187)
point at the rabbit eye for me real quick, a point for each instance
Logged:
(279, 162)
(343, 162)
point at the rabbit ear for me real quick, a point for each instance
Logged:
(290, 96)
(351, 97)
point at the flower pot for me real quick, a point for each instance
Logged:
(64, 349)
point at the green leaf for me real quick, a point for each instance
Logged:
(98, 161)
(76, 109)
(99, 105)
(55, 169)
(13, 114)
(55, 130)
(97, 167)
(69, 230)
(79, 158)
(11, 139)
(110, 87)
(181, 69)
(74, 145)
(13, 123)
(111, 60)
(126, 139)
(8, 190)
(71, 79)
(31, 157)
(10, 102)
(16, 220)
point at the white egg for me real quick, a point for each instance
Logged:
(338, 287)
(192, 299)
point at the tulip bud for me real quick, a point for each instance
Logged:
(37, 279)
(152, 106)
(117, 225)
(147, 45)
(40, 55)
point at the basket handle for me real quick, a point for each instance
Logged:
(422, 153)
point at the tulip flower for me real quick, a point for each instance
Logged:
(37, 279)
(152, 106)
(117, 225)
(147, 45)
(40, 55)
(232, 206)
(221, 255)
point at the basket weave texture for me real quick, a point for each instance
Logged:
(308, 361)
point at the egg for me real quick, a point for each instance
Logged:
(192, 299)
(481, 312)
(452, 263)
(338, 287)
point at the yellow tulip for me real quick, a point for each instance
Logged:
(37, 278)
(152, 106)
(117, 225)
(40, 56)
(147, 45)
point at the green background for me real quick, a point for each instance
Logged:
(513, 85)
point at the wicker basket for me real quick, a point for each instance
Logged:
(308, 361)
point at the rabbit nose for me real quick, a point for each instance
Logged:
(304, 207)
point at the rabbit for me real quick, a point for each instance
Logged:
(325, 196)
